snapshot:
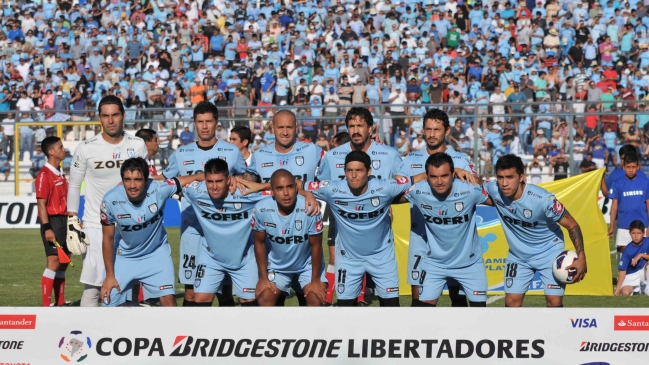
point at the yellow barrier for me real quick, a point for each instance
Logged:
(579, 195)
(59, 132)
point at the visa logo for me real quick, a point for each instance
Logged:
(583, 322)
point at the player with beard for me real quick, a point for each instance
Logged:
(384, 163)
(532, 219)
(188, 160)
(436, 128)
(98, 160)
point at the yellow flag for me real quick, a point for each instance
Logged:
(578, 194)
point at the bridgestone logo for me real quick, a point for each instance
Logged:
(588, 346)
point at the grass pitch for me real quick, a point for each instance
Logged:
(22, 262)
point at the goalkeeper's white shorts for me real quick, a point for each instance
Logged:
(93, 260)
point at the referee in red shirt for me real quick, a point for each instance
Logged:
(51, 195)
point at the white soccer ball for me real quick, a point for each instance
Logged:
(563, 260)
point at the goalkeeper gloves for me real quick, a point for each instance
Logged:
(77, 240)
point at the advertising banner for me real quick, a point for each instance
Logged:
(376, 336)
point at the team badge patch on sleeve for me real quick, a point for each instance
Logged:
(558, 207)
(319, 226)
(171, 182)
(313, 185)
(402, 180)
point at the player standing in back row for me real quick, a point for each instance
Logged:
(436, 127)
(385, 162)
(530, 217)
(98, 161)
(189, 160)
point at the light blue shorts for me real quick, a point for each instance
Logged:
(211, 276)
(350, 271)
(190, 243)
(155, 272)
(284, 280)
(473, 279)
(519, 274)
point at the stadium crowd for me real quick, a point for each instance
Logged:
(319, 56)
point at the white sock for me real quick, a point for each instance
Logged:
(50, 274)
(331, 269)
(90, 297)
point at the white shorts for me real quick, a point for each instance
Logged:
(93, 269)
(635, 280)
(622, 237)
(599, 162)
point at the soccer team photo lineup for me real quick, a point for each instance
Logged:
(252, 230)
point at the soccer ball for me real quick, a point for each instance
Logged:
(563, 260)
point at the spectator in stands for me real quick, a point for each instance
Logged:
(164, 140)
(540, 144)
(38, 162)
(5, 167)
(186, 136)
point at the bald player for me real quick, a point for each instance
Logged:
(288, 244)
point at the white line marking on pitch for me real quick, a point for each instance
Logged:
(494, 299)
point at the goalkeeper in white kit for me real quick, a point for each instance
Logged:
(97, 161)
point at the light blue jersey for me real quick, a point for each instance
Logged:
(363, 222)
(385, 162)
(139, 226)
(226, 224)
(415, 163)
(450, 223)
(287, 237)
(302, 161)
(530, 223)
(190, 160)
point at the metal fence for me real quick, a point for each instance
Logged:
(406, 117)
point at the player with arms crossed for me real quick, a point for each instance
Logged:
(294, 242)
(365, 243)
(454, 251)
(530, 217)
(385, 162)
(227, 249)
(436, 128)
(190, 159)
(98, 161)
(51, 191)
(143, 252)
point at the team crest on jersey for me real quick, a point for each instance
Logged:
(130, 152)
(509, 282)
(271, 276)
(376, 164)
(459, 207)
(298, 225)
(299, 160)
(527, 213)
(237, 206)
(188, 274)
(376, 202)
(341, 288)
(197, 283)
(420, 289)
(414, 274)
(153, 208)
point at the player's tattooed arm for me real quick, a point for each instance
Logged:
(577, 238)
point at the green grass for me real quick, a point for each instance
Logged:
(22, 262)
